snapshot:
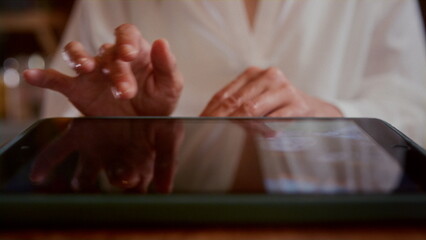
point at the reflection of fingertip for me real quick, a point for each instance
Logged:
(167, 188)
(75, 184)
(163, 187)
(144, 184)
(127, 182)
(36, 178)
(123, 178)
(269, 134)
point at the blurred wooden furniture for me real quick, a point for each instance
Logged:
(39, 22)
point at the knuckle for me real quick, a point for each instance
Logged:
(273, 72)
(231, 102)
(249, 108)
(276, 75)
(293, 92)
(301, 109)
(220, 96)
(118, 76)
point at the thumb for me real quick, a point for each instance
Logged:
(164, 65)
(49, 79)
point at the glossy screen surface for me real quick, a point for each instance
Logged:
(211, 156)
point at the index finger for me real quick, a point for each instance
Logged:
(130, 43)
(52, 156)
(225, 96)
(168, 139)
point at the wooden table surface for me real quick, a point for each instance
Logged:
(208, 233)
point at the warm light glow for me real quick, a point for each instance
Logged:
(11, 78)
(36, 61)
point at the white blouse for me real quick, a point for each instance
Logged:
(365, 56)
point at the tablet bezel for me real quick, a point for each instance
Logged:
(133, 210)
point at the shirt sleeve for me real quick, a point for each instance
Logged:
(394, 81)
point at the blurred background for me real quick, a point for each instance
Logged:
(29, 33)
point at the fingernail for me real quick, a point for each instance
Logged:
(106, 71)
(116, 93)
(36, 178)
(81, 62)
(123, 86)
(78, 66)
(120, 89)
(88, 64)
(129, 50)
(69, 61)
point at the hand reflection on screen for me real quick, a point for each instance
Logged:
(256, 127)
(133, 154)
(308, 157)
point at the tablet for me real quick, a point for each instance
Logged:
(185, 171)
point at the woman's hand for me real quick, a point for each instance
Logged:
(129, 77)
(258, 93)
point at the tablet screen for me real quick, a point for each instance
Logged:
(211, 156)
